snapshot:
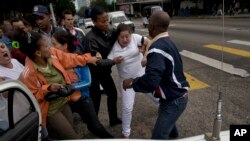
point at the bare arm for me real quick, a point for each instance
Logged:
(145, 46)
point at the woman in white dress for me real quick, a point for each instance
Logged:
(130, 47)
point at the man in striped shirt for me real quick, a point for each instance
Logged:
(164, 77)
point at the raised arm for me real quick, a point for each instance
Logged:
(145, 46)
(69, 60)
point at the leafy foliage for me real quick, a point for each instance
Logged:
(100, 3)
(11, 8)
(81, 11)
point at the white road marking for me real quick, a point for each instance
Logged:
(247, 43)
(172, 25)
(145, 29)
(142, 29)
(240, 29)
(215, 63)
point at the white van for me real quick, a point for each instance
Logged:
(117, 17)
(147, 12)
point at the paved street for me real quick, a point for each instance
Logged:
(216, 60)
(203, 43)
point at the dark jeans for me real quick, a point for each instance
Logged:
(85, 108)
(168, 114)
(109, 87)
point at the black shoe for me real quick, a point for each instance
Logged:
(47, 139)
(100, 132)
(102, 92)
(115, 122)
(173, 135)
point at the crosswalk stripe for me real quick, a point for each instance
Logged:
(229, 50)
(195, 83)
(215, 63)
(239, 42)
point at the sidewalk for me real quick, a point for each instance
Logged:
(242, 15)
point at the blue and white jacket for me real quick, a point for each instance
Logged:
(164, 75)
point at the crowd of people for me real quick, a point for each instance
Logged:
(64, 68)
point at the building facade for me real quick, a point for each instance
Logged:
(81, 3)
(183, 7)
(134, 7)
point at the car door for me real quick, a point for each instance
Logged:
(19, 113)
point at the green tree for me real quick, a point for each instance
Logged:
(8, 7)
(100, 3)
(81, 11)
(61, 5)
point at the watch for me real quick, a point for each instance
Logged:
(131, 83)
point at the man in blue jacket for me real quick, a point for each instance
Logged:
(164, 77)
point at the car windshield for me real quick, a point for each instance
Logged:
(156, 9)
(119, 19)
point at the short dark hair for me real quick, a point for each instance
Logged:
(14, 20)
(26, 23)
(96, 11)
(28, 42)
(65, 12)
(63, 37)
(162, 24)
(123, 27)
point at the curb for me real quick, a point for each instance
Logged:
(212, 17)
(247, 15)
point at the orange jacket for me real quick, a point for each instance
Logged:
(38, 85)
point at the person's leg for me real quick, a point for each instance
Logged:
(168, 114)
(45, 134)
(60, 124)
(174, 133)
(85, 108)
(128, 97)
(94, 88)
(110, 89)
(95, 94)
(93, 123)
(68, 114)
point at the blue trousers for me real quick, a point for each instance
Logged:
(168, 114)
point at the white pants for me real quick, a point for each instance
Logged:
(128, 97)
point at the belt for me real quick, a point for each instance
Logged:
(183, 96)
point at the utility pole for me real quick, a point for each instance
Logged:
(162, 4)
(53, 15)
